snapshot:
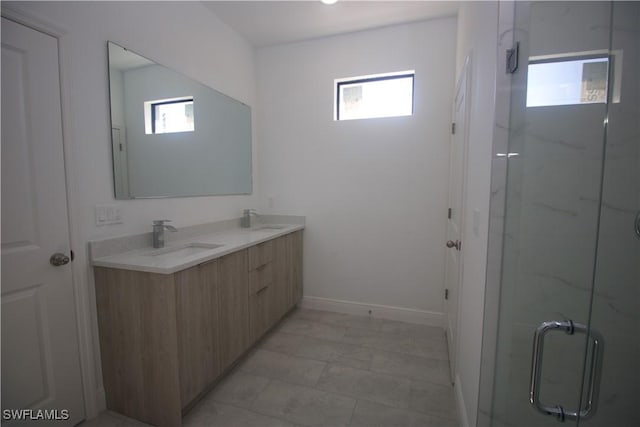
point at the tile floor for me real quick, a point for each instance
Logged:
(319, 368)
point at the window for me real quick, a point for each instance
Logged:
(568, 80)
(169, 115)
(381, 95)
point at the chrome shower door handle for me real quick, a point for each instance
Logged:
(597, 349)
(595, 370)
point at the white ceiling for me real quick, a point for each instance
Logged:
(265, 23)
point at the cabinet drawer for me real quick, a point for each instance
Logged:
(260, 278)
(260, 254)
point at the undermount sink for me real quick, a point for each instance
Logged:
(184, 250)
(269, 227)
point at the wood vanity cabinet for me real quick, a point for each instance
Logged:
(260, 289)
(198, 304)
(281, 296)
(140, 316)
(165, 339)
(295, 265)
(287, 273)
(233, 316)
(162, 336)
(275, 281)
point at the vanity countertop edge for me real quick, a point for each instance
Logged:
(231, 240)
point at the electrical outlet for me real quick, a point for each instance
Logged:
(108, 214)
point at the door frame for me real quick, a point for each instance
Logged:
(496, 232)
(464, 78)
(82, 296)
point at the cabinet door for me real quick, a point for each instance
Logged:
(138, 340)
(197, 321)
(260, 254)
(281, 295)
(296, 266)
(233, 307)
(260, 301)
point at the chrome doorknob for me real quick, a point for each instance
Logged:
(457, 244)
(59, 259)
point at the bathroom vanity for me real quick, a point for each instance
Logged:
(173, 321)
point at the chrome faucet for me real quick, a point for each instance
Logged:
(158, 232)
(246, 221)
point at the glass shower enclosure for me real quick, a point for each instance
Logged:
(561, 336)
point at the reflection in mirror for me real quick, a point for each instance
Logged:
(172, 136)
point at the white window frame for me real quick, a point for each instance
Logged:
(371, 78)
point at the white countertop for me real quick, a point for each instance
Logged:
(231, 240)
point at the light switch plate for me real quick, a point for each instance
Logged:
(108, 214)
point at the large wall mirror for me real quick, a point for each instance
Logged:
(173, 136)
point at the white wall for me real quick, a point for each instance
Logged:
(374, 191)
(477, 35)
(185, 36)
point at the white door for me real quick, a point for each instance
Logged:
(40, 359)
(457, 159)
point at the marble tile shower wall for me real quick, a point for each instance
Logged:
(552, 210)
(616, 304)
(550, 246)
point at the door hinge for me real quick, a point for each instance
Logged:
(121, 147)
(449, 213)
(446, 294)
(453, 128)
(512, 59)
(72, 255)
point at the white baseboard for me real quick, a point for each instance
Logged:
(462, 411)
(410, 315)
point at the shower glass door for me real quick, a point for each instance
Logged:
(567, 346)
(615, 309)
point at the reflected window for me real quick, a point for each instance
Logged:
(567, 81)
(169, 116)
(382, 95)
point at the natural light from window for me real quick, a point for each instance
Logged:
(169, 115)
(381, 95)
(570, 82)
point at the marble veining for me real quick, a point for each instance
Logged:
(557, 209)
